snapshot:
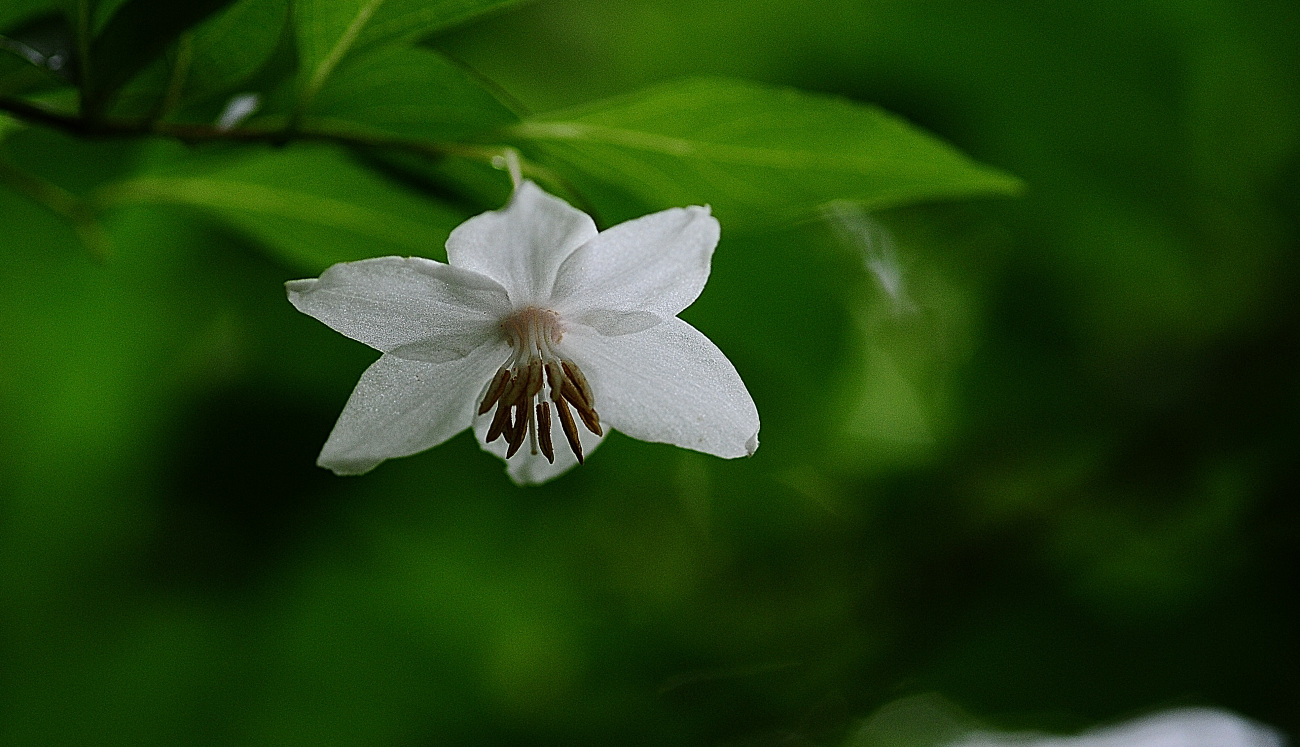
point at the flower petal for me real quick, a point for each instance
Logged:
(402, 406)
(1182, 727)
(667, 384)
(413, 307)
(521, 245)
(526, 468)
(657, 263)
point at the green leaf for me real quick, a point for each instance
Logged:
(754, 152)
(133, 37)
(7, 125)
(17, 10)
(329, 30)
(232, 46)
(102, 10)
(311, 206)
(222, 52)
(408, 93)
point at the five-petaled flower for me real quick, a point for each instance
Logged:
(538, 323)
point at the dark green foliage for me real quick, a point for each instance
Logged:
(15, 11)
(137, 33)
(412, 93)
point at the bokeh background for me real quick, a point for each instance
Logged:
(1051, 477)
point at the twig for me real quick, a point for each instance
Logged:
(199, 133)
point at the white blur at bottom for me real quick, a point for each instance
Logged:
(1188, 727)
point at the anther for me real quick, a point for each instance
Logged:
(589, 418)
(575, 375)
(519, 429)
(495, 390)
(532, 430)
(534, 379)
(570, 429)
(581, 401)
(544, 430)
(501, 420)
(555, 377)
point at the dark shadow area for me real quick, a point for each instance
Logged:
(241, 487)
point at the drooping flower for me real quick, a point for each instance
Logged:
(542, 334)
(1183, 727)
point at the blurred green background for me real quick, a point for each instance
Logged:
(1055, 482)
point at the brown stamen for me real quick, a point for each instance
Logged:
(554, 376)
(519, 430)
(534, 379)
(495, 390)
(585, 411)
(544, 430)
(575, 375)
(532, 430)
(570, 429)
(590, 419)
(501, 421)
(571, 393)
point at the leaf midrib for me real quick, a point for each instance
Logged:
(719, 152)
(336, 54)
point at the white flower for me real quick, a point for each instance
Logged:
(536, 313)
(1188, 727)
